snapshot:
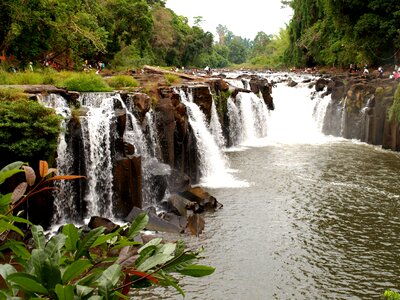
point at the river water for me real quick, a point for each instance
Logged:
(318, 219)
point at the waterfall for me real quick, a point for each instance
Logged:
(215, 127)
(321, 105)
(235, 131)
(97, 149)
(151, 167)
(343, 119)
(152, 134)
(213, 163)
(296, 117)
(64, 198)
(248, 119)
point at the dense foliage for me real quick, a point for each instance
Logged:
(27, 130)
(74, 264)
(122, 33)
(339, 33)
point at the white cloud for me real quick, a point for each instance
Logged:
(243, 18)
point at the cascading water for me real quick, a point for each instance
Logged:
(343, 120)
(213, 163)
(248, 119)
(296, 119)
(64, 205)
(97, 148)
(152, 133)
(215, 127)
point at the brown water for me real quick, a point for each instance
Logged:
(320, 219)
(318, 222)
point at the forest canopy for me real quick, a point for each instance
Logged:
(343, 32)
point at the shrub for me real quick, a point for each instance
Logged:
(78, 265)
(28, 131)
(120, 81)
(172, 79)
(86, 82)
(12, 94)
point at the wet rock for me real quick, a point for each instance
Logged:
(182, 205)
(165, 120)
(291, 83)
(202, 197)
(195, 224)
(155, 222)
(127, 185)
(203, 98)
(178, 181)
(96, 222)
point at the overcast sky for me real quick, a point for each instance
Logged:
(243, 18)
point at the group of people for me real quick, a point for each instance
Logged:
(395, 74)
(99, 66)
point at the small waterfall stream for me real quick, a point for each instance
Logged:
(213, 163)
(97, 147)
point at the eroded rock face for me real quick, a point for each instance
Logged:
(359, 110)
(262, 85)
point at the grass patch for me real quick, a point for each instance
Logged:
(12, 94)
(86, 82)
(171, 79)
(121, 81)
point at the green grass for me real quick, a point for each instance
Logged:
(171, 79)
(121, 81)
(74, 81)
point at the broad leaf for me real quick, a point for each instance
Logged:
(168, 248)
(64, 292)
(6, 270)
(83, 291)
(47, 272)
(138, 224)
(141, 275)
(29, 175)
(196, 270)
(180, 262)
(43, 168)
(10, 170)
(153, 242)
(18, 248)
(109, 279)
(104, 238)
(19, 220)
(54, 245)
(5, 201)
(28, 283)
(87, 242)
(19, 192)
(5, 224)
(153, 261)
(72, 236)
(75, 269)
(38, 236)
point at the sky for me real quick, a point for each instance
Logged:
(244, 18)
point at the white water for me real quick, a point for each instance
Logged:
(96, 138)
(214, 168)
(64, 205)
(215, 127)
(293, 120)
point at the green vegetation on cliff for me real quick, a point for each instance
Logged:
(338, 33)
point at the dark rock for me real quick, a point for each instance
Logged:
(291, 83)
(165, 120)
(178, 181)
(155, 223)
(127, 185)
(202, 197)
(203, 98)
(96, 222)
(182, 204)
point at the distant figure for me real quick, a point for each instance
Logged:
(380, 70)
(365, 72)
(208, 70)
(98, 67)
(30, 66)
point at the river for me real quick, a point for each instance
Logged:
(318, 219)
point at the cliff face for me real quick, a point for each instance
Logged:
(359, 110)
